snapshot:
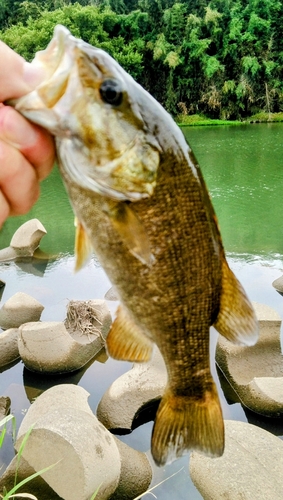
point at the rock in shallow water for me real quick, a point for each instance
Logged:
(18, 309)
(144, 383)
(250, 468)
(256, 373)
(65, 429)
(55, 347)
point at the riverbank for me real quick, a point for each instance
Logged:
(202, 120)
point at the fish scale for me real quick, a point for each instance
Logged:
(142, 205)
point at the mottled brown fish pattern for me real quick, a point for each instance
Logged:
(142, 205)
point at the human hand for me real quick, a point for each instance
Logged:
(27, 151)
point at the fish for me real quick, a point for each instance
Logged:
(142, 206)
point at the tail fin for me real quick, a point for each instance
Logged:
(183, 423)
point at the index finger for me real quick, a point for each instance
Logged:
(18, 77)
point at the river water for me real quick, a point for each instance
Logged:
(242, 166)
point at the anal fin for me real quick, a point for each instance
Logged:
(236, 319)
(126, 341)
(183, 423)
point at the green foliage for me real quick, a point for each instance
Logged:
(224, 59)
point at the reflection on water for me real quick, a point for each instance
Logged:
(242, 167)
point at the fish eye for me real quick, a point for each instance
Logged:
(111, 92)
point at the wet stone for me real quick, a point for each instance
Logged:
(20, 308)
(250, 468)
(5, 405)
(9, 350)
(144, 383)
(256, 373)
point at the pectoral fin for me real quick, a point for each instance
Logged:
(236, 319)
(126, 341)
(131, 231)
(83, 248)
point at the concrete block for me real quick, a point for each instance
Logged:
(250, 468)
(20, 308)
(67, 434)
(256, 373)
(49, 347)
(136, 473)
(24, 241)
(145, 382)
(9, 350)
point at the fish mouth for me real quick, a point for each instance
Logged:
(126, 173)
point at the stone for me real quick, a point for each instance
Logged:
(9, 350)
(112, 294)
(37, 487)
(278, 284)
(48, 347)
(5, 405)
(250, 468)
(256, 373)
(144, 383)
(27, 238)
(67, 434)
(24, 241)
(20, 308)
(136, 473)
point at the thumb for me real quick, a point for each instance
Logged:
(18, 77)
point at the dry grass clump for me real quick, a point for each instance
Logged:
(82, 318)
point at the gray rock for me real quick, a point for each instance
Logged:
(37, 487)
(145, 382)
(19, 309)
(49, 347)
(256, 373)
(25, 241)
(278, 284)
(9, 350)
(68, 435)
(250, 468)
(136, 473)
(27, 238)
(5, 405)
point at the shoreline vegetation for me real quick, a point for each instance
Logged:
(199, 120)
(222, 60)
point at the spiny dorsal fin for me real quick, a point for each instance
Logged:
(183, 423)
(236, 319)
(83, 248)
(131, 231)
(126, 340)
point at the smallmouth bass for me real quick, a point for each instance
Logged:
(142, 205)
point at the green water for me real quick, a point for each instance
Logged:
(242, 166)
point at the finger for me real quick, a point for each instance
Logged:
(34, 142)
(4, 209)
(18, 77)
(18, 180)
